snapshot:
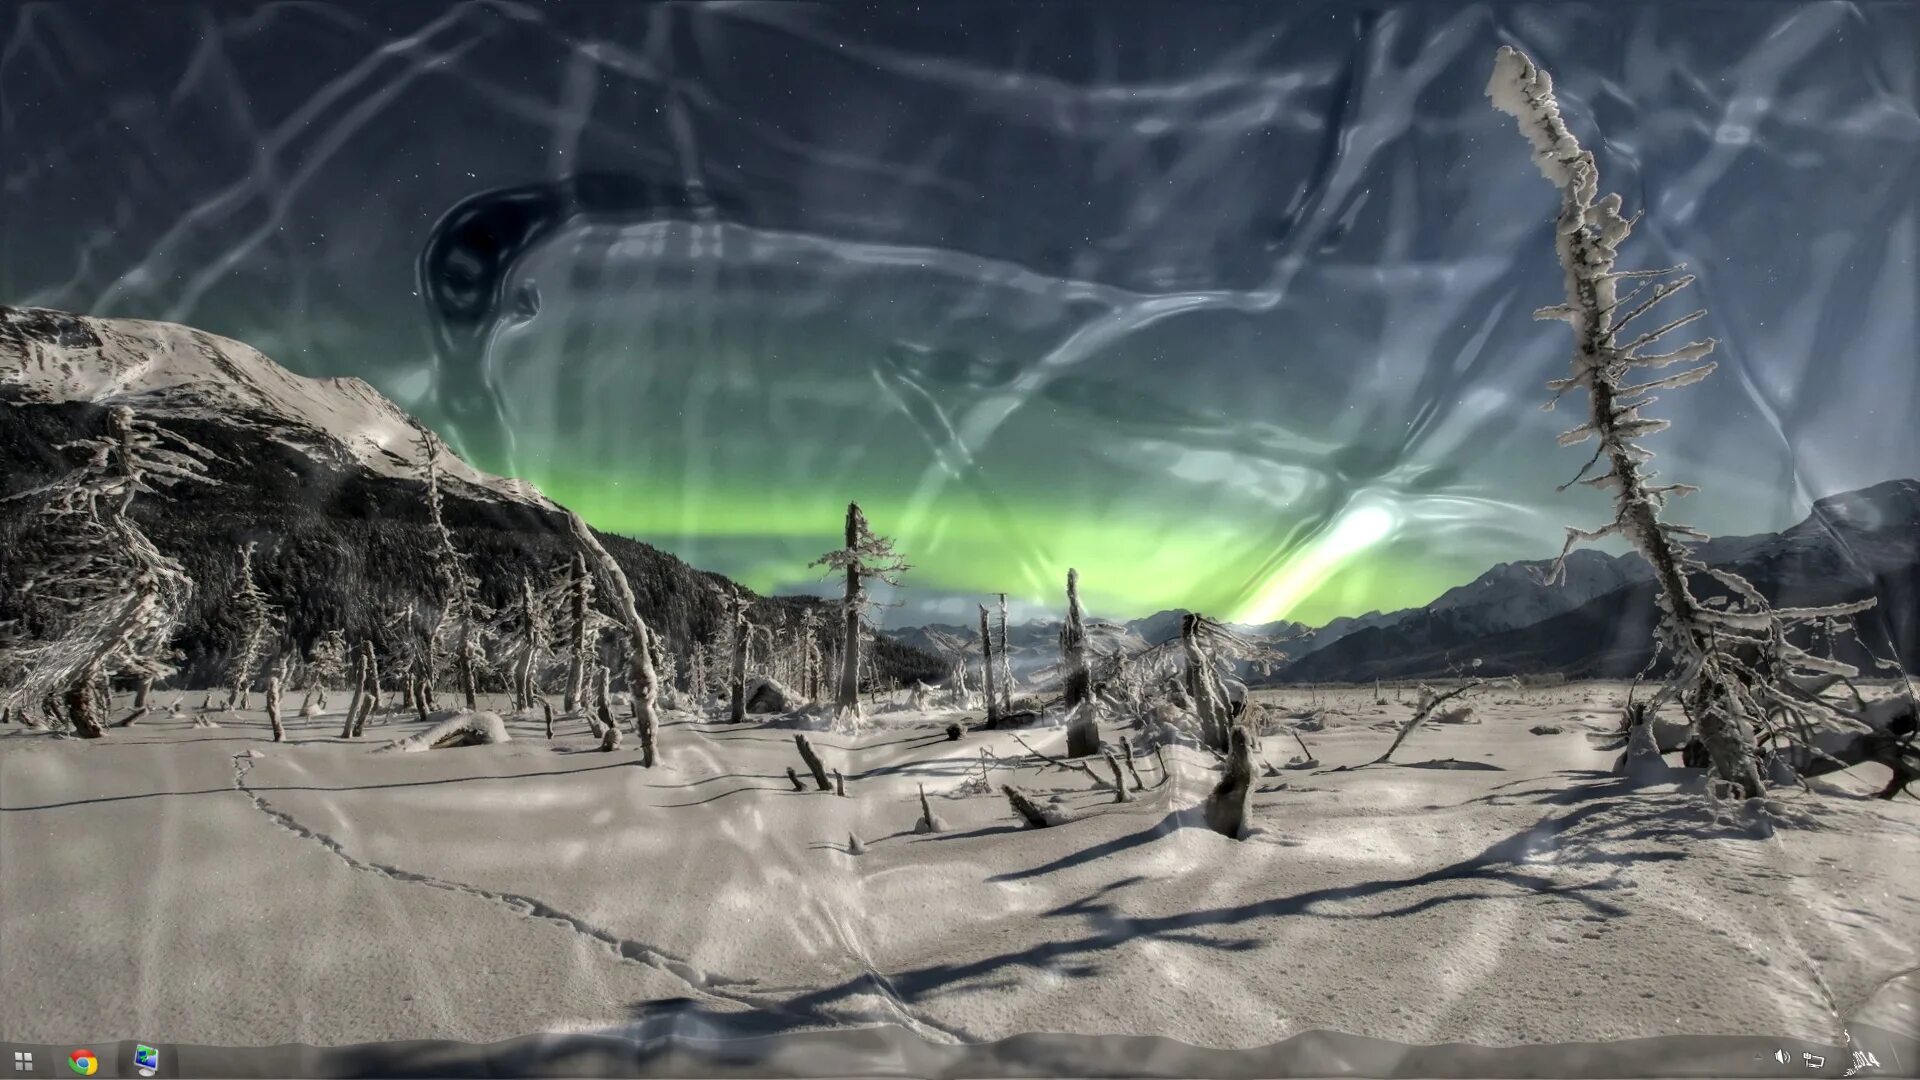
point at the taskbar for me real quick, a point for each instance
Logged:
(896, 1052)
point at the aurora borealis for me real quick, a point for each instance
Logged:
(1227, 305)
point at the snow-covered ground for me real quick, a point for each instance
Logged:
(204, 885)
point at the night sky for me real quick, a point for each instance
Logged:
(1226, 304)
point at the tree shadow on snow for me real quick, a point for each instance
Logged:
(1502, 871)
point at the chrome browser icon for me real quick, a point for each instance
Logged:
(83, 1062)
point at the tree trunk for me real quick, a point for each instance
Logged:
(609, 731)
(1203, 688)
(1126, 749)
(1119, 781)
(813, 762)
(1006, 662)
(359, 690)
(469, 675)
(737, 711)
(1083, 735)
(273, 708)
(82, 710)
(794, 777)
(986, 666)
(529, 646)
(547, 707)
(641, 680)
(848, 700)
(1226, 808)
(146, 689)
(577, 663)
(372, 668)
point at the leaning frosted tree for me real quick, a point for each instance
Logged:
(642, 679)
(865, 556)
(109, 600)
(1738, 670)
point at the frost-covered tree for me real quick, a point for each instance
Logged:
(1202, 681)
(642, 682)
(461, 632)
(578, 630)
(1006, 663)
(865, 556)
(111, 598)
(530, 628)
(1733, 664)
(741, 631)
(986, 666)
(258, 617)
(327, 663)
(1076, 696)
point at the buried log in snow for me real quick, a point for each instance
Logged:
(795, 777)
(839, 784)
(813, 762)
(1036, 815)
(460, 729)
(1226, 808)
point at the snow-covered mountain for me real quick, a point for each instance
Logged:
(321, 474)
(167, 370)
(1851, 545)
(1594, 621)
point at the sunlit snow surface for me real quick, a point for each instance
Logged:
(1228, 307)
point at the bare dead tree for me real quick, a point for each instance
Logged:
(1119, 781)
(577, 629)
(1126, 749)
(273, 703)
(928, 823)
(257, 616)
(371, 666)
(813, 762)
(462, 629)
(1203, 684)
(1427, 706)
(737, 683)
(532, 629)
(1083, 733)
(986, 667)
(1227, 806)
(1731, 666)
(114, 600)
(1006, 664)
(348, 728)
(641, 681)
(327, 663)
(603, 705)
(865, 556)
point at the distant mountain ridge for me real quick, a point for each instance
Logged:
(1597, 621)
(1851, 545)
(322, 473)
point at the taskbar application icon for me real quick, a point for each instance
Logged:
(146, 1059)
(83, 1062)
